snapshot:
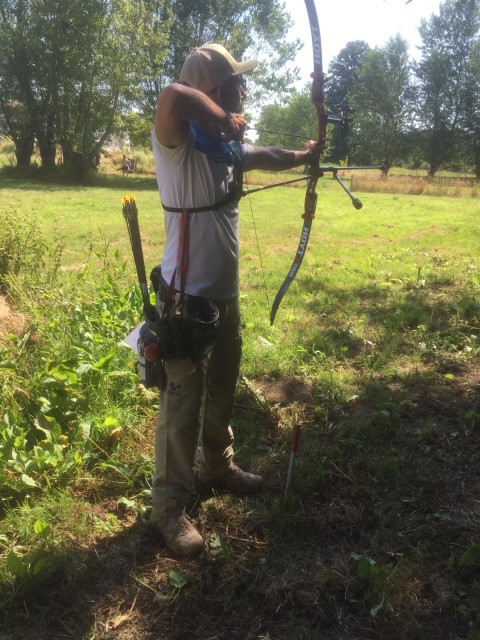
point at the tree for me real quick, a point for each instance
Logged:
(151, 51)
(447, 44)
(74, 67)
(14, 117)
(470, 118)
(382, 99)
(343, 71)
(15, 124)
(296, 117)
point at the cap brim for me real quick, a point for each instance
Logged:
(246, 66)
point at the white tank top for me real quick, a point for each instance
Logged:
(200, 173)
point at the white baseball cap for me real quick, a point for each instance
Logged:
(208, 67)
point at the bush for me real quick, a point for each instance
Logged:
(145, 161)
(21, 245)
(7, 146)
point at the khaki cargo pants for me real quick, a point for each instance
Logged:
(193, 423)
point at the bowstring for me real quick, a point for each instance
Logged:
(257, 242)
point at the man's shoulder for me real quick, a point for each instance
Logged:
(164, 151)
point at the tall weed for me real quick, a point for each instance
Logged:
(65, 383)
(22, 245)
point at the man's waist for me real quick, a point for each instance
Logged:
(161, 282)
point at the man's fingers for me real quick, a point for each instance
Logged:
(236, 127)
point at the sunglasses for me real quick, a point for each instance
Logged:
(236, 81)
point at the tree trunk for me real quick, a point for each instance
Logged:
(46, 143)
(67, 152)
(47, 152)
(24, 151)
(476, 151)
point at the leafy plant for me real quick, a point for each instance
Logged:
(471, 555)
(178, 580)
(375, 576)
(22, 244)
(20, 563)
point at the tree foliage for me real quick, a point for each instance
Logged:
(297, 118)
(76, 70)
(343, 75)
(343, 72)
(443, 73)
(72, 66)
(383, 101)
(470, 120)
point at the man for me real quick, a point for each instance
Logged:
(199, 166)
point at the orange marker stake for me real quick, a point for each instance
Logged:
(293, 452)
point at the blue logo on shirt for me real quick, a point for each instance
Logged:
(213, 148)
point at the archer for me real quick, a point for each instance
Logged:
(200, 159)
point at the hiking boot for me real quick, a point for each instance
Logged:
(180, 534)
(235, 480)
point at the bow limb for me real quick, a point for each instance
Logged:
(311, 195)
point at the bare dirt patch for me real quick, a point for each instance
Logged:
(286, 389)
(10, 320)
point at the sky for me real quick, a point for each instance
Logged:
(373, 21)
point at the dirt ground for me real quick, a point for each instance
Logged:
(369, 546)
(10, 320)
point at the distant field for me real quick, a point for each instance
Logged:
(79, 213)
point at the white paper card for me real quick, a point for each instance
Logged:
(132, 338)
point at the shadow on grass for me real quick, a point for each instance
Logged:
(428, 324)
(58, 182)
(368, 546)
(385, 502)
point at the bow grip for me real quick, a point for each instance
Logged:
(310, 206)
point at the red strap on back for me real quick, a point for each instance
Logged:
(182, 259)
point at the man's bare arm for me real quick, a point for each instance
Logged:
(178, 104)
(275, 159)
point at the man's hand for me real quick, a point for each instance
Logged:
(234, 128)
(313, 151)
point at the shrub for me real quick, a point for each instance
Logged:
(21, 245)
(7, 146)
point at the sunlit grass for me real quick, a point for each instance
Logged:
(374, 351)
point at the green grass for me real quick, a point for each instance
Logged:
(374, 351)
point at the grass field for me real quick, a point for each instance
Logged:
(374, 352)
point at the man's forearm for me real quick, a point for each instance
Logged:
(179, 104)
(190, 104)
(275, 159)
